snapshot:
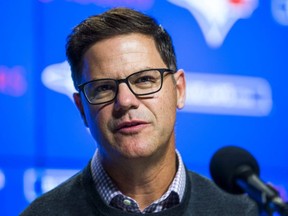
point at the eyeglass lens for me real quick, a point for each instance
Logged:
(140, 83)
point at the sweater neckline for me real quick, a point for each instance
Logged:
(101, 208)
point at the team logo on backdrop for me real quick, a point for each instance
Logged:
(216, 17)
(57, 77)
(280, 11)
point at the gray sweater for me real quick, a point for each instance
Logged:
(78, 196)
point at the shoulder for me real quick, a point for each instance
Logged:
(209, 197)
(68, 196)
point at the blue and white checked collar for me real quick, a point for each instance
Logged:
(112, 196)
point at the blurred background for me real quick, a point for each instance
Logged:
(234, 53)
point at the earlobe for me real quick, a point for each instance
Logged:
(78, 102)
(180, 88)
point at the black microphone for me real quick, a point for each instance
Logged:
(236, 171)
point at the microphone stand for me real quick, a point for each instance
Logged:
(266, 196)
(275, 204)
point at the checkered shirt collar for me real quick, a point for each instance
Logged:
(112, 196)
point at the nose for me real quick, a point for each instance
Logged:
(125, 99)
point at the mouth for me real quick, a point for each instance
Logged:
(131, 126)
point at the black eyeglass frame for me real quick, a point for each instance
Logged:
(125, 80)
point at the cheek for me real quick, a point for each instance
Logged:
(165, 108)
(97, 121)
(168, 99)
(170, 106)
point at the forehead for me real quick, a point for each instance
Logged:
(120, 56)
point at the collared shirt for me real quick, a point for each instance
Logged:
(113, 197)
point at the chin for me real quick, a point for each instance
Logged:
(137, 151)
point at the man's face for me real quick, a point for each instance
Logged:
(130, 126)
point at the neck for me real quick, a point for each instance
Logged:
(143, 179)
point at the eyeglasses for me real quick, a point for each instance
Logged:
(141, 83)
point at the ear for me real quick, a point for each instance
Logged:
(180, 88)
(78, 102)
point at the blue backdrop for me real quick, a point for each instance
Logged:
(234, 53)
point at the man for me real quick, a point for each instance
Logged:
(129, 88)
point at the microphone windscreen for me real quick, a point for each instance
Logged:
(225, 165)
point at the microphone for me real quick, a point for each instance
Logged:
(236, 171)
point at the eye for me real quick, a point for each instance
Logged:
(145, 79)
(100, 89)
(103, 88)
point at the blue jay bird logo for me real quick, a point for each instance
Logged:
(217, 17)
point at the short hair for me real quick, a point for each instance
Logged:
(115, 22)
